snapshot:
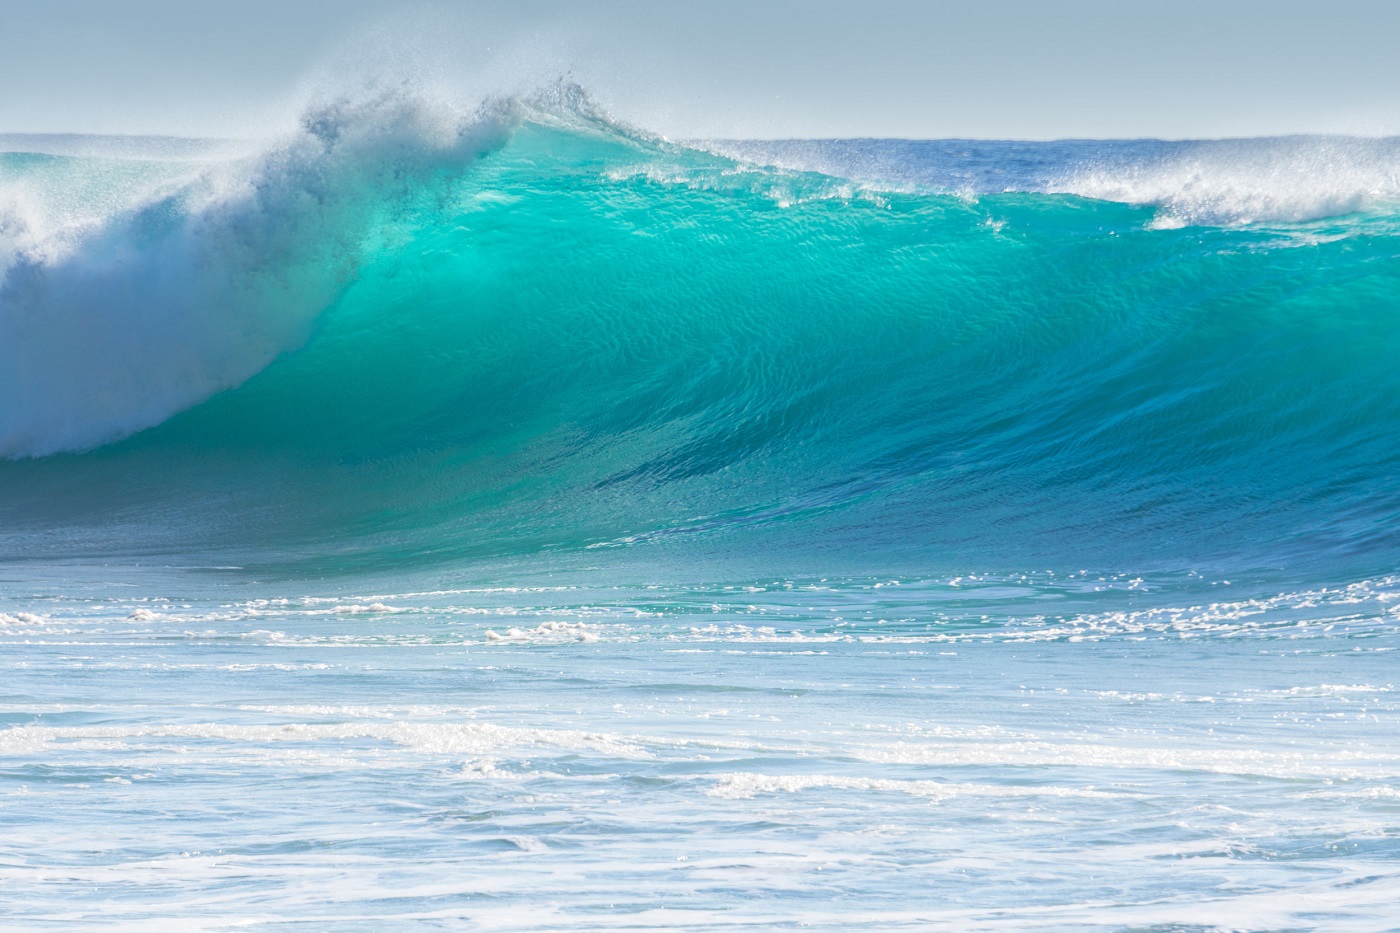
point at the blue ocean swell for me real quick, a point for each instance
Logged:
(593, 342)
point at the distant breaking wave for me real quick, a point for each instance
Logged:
(414, 332)
(1197, 182)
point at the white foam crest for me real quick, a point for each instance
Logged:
(1250, 181)
(744, 785)
(550, 632)
(1336, 764)
(476, 739)
(112, 324)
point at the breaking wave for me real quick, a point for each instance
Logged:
(410, 332)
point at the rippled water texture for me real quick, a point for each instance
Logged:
(1038, 752)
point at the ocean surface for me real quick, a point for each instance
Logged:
(498, 517)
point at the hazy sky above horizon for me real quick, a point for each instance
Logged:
(995, 68)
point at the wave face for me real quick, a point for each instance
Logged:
(411, 335)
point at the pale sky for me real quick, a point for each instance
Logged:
(759, 68)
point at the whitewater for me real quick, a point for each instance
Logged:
(490, 515)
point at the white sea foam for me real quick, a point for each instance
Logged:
(1228, 182)
(175, 776)
(549, 632)
(1340, 763)
(737, 786)
(433, 738)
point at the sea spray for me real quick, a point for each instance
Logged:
(111, 324)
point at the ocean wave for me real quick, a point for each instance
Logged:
(415, 332)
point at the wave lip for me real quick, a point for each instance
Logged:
(111, 324)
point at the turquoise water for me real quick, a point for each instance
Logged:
(507, 517)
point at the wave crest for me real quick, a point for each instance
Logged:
(111, 323)
(1251, 181)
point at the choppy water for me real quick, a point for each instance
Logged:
(1036, 752)
(507, 519)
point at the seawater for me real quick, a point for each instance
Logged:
(502, 518)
